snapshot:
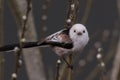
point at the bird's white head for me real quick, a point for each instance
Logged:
(79, 35)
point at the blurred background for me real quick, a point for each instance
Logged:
(99, 60)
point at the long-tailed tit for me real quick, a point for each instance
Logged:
(68, 40)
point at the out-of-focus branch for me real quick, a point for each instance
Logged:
(43, 29)
(16, 10)
(44, 17)
(116, 64)
(32, 57)
(87, 10)
(1, 39)
(108, 57)
(115, 75)
(118, 5)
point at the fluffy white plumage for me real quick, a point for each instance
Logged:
(77, 35)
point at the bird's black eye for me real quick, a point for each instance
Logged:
(74, 30)
(83, 31)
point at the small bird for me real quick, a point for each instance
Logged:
(65, 41)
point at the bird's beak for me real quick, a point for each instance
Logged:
(79, 33)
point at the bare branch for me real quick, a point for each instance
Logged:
(87, 11)
(20, 9)
(116, 64)
(72, 12)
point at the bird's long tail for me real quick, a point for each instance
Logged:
(35, 44)
(13, 46)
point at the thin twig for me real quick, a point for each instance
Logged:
(58, 69)
(76, 2)
(36, 70)
(69, 73)
(69, 15)
(72, 12)
(22, 39)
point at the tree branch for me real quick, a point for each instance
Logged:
(36, 70)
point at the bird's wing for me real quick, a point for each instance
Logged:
(61, 36)
(59, 39)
